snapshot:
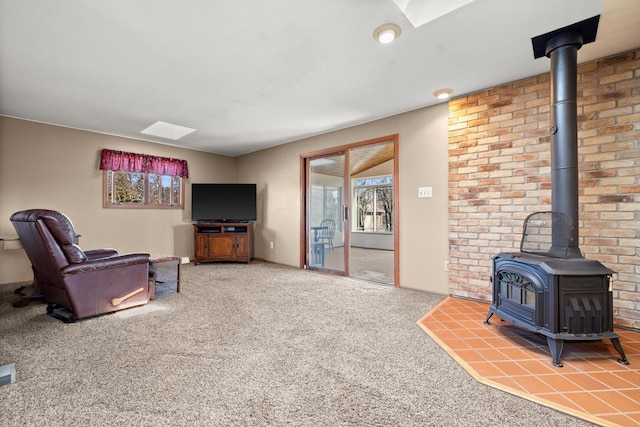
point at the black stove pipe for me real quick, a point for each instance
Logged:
(563, 52)
(562, 46)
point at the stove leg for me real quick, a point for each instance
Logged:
(618, 347)
(486, 321)
(555, 346)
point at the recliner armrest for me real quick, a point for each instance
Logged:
(105, 263)
(101, 253)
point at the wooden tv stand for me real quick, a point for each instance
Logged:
(223, 241)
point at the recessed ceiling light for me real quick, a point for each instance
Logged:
(167, 130)
(386, 33)
(443, 93)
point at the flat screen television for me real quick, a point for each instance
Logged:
(223, 202)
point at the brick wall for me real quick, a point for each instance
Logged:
(500, 169)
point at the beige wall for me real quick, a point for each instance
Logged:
(422, 162)
(44, 166)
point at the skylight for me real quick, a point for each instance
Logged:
(167, 130)
(420, 12)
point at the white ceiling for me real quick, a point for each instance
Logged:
(250, 74)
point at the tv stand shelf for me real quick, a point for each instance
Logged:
(223, 241)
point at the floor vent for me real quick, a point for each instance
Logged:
(7, 374)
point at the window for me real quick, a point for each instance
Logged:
(373, 204)
(142, 181)
(327, 201)
(143, 190)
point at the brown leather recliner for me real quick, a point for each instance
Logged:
(87, 283)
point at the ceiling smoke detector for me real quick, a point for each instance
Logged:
(386, 33)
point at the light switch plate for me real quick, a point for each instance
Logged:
(425, 192)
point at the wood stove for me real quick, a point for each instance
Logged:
(549, 287)
(560, 298)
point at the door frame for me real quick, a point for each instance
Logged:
(304, 203)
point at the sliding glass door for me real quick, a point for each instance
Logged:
(327, 236)
(349, 224)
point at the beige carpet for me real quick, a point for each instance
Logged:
(372, 265)
(249, 345)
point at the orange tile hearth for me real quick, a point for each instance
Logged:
(592, 385)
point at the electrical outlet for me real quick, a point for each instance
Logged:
(270, 245)
(425, 192)
(446, 266)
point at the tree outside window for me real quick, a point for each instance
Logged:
(373, 204)
(135, 189)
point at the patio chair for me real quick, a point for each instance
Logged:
(326, 232)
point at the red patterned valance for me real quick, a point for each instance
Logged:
(132, 162)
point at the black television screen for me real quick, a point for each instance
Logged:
(223, 202)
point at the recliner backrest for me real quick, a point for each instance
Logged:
(62, 230)
(48, 239)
